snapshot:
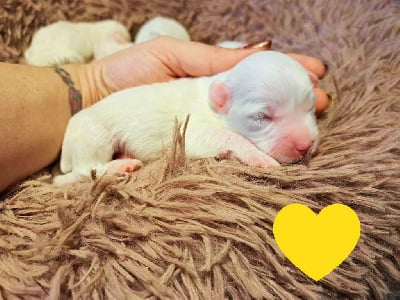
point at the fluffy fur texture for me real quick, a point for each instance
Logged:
(202, 229)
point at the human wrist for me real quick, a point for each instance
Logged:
(86, 80)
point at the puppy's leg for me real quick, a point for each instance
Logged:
(84, 158)
(212, 142)
(61, 180)
(114, 167)
(84, 150)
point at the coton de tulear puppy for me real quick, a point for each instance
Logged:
(261, 112)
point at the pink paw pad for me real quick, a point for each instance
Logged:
(121, 166)
(131, 169)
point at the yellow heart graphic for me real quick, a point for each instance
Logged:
(316, 244)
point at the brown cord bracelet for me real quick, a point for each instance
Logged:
(74, 95)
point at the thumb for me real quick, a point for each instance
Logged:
(198, 59)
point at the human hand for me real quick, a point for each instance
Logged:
(165, 59)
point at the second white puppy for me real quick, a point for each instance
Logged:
(67, 42)
(261, 112)
(78, 42)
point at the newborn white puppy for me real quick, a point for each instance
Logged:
(161, 26)
(67, 42)
(261, 111)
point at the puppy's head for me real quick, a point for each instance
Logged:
(268, 98)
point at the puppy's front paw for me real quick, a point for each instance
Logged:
(68, 178)
(258, 159)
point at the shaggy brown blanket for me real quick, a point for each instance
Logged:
(202, 229)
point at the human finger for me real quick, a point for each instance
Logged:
(198, 59)
(312, 64)
(322, 100)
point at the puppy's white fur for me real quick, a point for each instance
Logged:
(161, 26)
(66, 42)
(268, 111)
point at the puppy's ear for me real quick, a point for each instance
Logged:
(220, 97)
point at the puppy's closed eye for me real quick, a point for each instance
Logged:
(259, 119)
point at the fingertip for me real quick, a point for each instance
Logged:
(312, 64)
(322, 100)
(326, 71)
